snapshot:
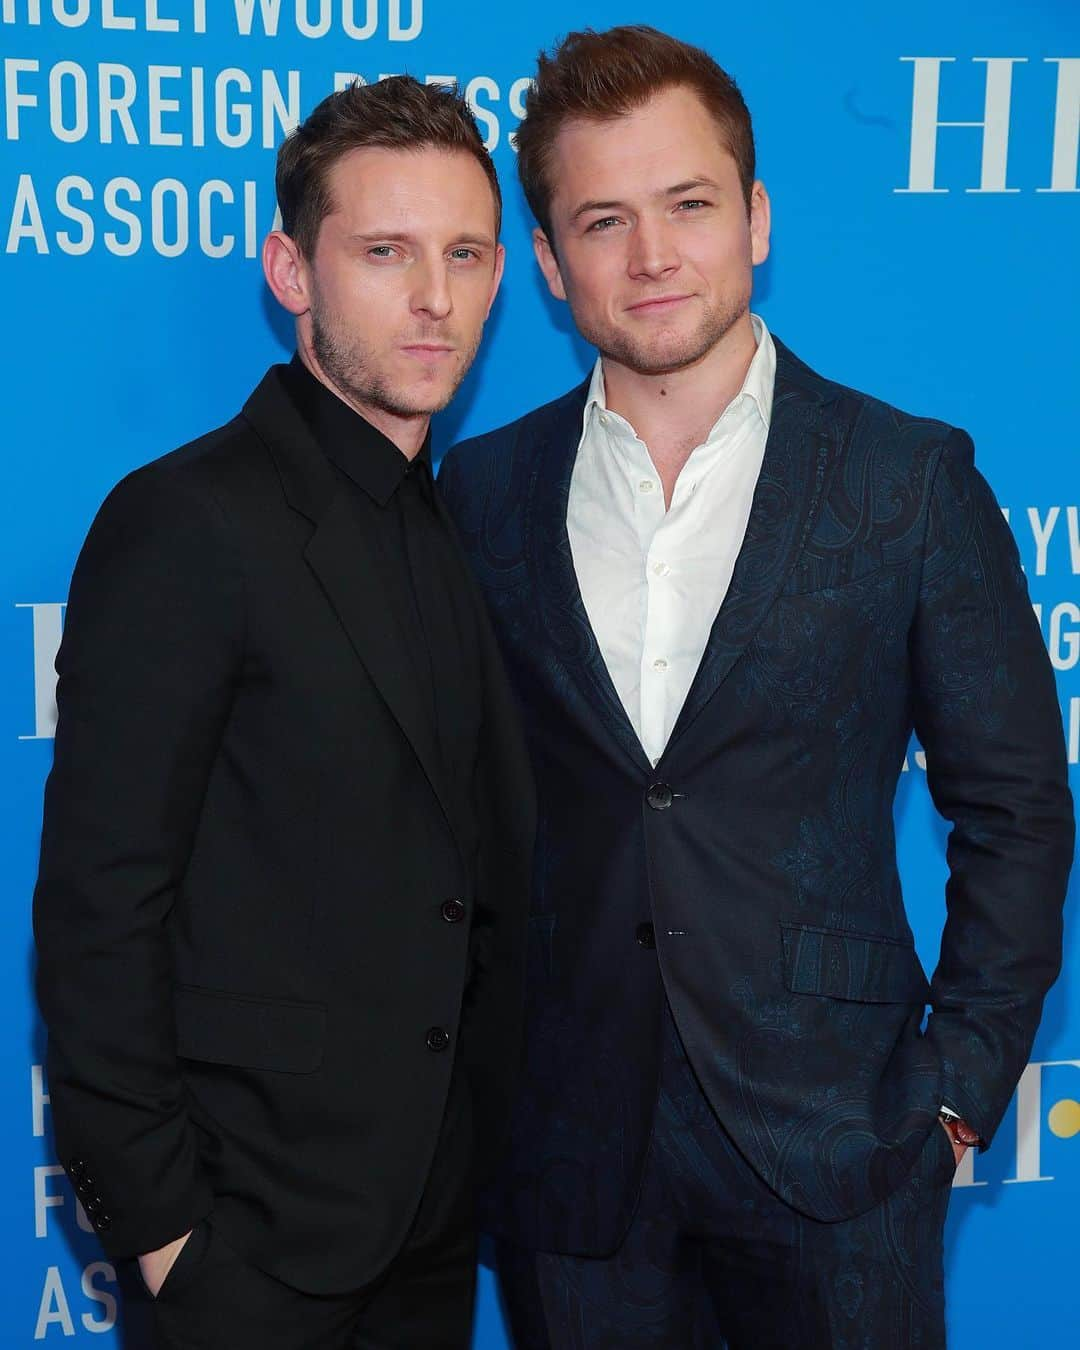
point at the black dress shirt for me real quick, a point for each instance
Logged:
(427, 588)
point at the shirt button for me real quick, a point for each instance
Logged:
(437, 1039)
(646, 485)
(659, 665)
(603, 419)
(453, 911)
(660, 569)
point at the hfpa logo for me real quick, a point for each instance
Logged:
(1039, 1109)
(48, 620)
(994, 124)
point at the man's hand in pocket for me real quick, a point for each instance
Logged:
(154, 1266)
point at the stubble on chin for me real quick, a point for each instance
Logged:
(665, 352)
(348, 362)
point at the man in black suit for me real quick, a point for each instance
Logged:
(727, 590)
(280, 914)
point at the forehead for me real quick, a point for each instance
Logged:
(671, 137)
(410, 187)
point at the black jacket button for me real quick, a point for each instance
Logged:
(659, 796)
(646, 936)
(453, 911)
(437, 1039)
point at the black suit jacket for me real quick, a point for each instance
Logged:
(247, 846)
(878, 589)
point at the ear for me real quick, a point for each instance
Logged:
(286, 272)
(500, 263)
(760, 222)
(549, 264)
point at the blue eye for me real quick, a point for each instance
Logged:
(604, 223)
(691, 202)
(381, 251)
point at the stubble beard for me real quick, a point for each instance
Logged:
(348, 362)
(663, 358)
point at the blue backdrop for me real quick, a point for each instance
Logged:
(922, 162)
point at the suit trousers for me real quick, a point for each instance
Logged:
(213, 1299)
(714, 1258)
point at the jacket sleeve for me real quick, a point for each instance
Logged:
(987, 714)
(506, 809)
(151, 646)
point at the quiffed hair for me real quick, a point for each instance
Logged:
(599, 76)
(398, 113)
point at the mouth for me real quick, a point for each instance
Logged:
(428, 353)
(659, 304)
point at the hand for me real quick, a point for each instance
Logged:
(958, 1149)
(154, 1266)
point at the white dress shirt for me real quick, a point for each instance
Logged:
(652, 580)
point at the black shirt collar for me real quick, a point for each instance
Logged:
(371, 459)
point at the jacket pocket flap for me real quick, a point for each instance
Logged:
(837, 964)
(248, 1031)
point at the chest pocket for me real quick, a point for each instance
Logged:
(835, 570)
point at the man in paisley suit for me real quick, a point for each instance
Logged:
(727, 590)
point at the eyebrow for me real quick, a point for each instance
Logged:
(687, 186)
(399, 237)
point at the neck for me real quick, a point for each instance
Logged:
(679, 407)
(407, 431)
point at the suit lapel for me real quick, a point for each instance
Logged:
(564, 623)
(348, 567)
(801, 447)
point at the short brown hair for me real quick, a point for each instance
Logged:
(600, 76)
(398, 113)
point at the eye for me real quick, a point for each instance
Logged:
(382, 251)
(604, 223)
(463, 254)
(691, 204)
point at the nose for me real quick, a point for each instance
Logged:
(653, 253)
(431, 290)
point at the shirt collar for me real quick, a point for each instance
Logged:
(370, 459)
(758, 385)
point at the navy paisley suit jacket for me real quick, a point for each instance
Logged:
(878, 590)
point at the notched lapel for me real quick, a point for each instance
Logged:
(801, 448)
(563, 619)
(347, 567)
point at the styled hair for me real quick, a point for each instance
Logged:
(600, 76)
(398, 113)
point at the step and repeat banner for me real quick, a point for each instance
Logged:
(922, 161)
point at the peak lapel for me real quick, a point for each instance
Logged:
(799, 452)
(348, 567)
(563, 620)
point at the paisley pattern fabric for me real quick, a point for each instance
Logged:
(714, 1259)
(878, 590)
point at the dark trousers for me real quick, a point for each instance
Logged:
(213, 1299)
(713, 1258)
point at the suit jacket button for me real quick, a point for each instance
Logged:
(646, 936)
(437, 1039)
(453, 911)
(659, 796)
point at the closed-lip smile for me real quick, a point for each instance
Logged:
(657, 302)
